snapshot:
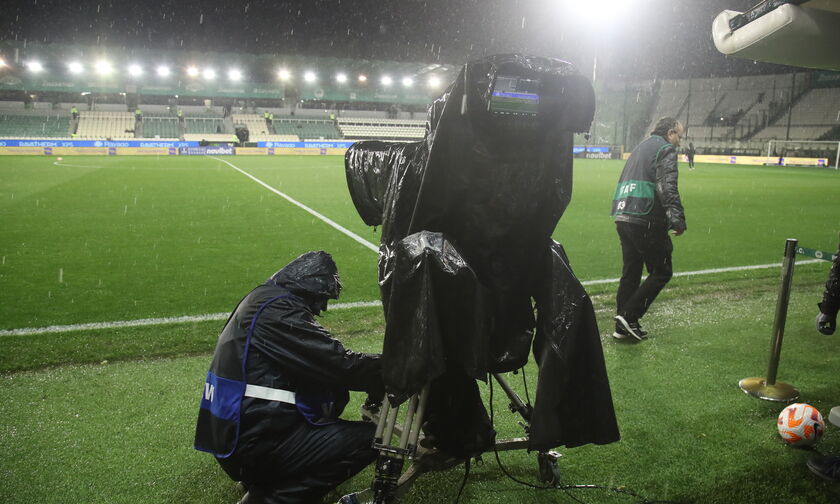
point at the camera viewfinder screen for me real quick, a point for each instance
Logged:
(515, 95)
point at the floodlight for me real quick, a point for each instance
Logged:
(386, 80)
(163, 71)
(103, 67)
(234, 74)
(407, 81)
(2, 63)
(310, 77)
(342, 78)
(75, 67)
(362, 78)
(209, 74)
(192, 71)
(595, 14)
(283, 74)
(434, 81)
(135, 70)
(35, 66)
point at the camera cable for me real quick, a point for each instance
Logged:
(566, 488)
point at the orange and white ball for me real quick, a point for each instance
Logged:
(800, 424)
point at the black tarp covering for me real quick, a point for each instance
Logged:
(467, 215)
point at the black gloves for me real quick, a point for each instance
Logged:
(826, 322)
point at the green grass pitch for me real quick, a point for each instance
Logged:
(107, 415)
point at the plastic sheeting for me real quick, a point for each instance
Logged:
(466, 254)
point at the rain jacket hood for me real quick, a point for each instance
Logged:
(313, 275)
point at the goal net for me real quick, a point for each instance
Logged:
(804, 153)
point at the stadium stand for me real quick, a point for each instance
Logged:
(308, 129)
(205, 125)
(396, 129)
(259, 131)
(736, 115)
(113, 125)
(34, 126)
(160, 127)
(812, 116)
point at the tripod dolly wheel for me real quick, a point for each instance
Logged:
(548, 468)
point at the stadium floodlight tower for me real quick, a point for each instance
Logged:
(163, 71)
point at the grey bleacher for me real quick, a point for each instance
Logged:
(160, 127)
(371, 127)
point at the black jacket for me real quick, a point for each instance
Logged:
(288, 350)
(831, 297)
(647, 191)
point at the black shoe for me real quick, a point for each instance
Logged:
(625, 329)
(827, 468)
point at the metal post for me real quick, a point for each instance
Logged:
(768, 388)
(781, 310)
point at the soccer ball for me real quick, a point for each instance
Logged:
(800, 424)
(59, 159)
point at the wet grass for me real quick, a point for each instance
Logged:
(108, 415)
(120, 431)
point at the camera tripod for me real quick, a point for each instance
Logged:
(390, 482)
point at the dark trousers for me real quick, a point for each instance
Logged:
(650, 247)
(306, 464)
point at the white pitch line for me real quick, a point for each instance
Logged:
(337, 306)
(151, 321)
(710, 271)
(288, 198)
(75, 165)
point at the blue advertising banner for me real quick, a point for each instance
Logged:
(312, 145)
(578, 150)
(216, 150)
(93, 143)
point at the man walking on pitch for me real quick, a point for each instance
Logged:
(646, 206)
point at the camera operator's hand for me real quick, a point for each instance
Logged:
(373, 401)
(826, 324)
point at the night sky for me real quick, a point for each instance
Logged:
(646, 39)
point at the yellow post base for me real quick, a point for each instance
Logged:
(779, 391)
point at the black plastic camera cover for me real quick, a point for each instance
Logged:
(466, 257)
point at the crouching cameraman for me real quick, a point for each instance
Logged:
(277, 385)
